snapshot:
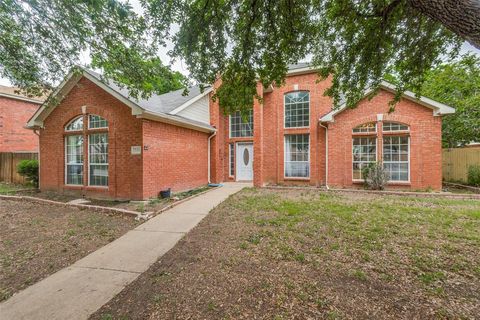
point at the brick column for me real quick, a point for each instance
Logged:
(216, 147)
(258, 176)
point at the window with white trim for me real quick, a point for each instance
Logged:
(96, 122)
(231, 156)
(241, 125)
(364, 153)
(297, 156)
(394, 126)
(98, 159)
(396, 157)
(75, 125)
(297, 109)
(74, 159)
(366, 128)
(97, 151)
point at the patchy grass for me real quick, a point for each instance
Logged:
(9, 188)
(272, 254)
(37, 240)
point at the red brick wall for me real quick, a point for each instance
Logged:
(176, 158)
(425, 143)
(425, 140)
(14, 115)
(125, 170)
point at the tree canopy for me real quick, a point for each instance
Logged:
(457, 84)
(41, 40)
(358, 42)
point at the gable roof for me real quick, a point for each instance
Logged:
(439, 109)
(11, 92)
(156, 107)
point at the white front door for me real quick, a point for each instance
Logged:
(244, 161)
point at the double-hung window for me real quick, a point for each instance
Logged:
(76, 136)
(364, 154)
(98, 159)
(297, 156)
(241, 126)
(396, 151)
(74, 159)
(297, 109)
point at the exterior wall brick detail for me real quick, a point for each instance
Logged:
(173, 157)
(269, 135)
(14, 115)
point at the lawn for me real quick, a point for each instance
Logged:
(268, 254)
(37, 240)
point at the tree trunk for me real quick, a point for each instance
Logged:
(460, 16)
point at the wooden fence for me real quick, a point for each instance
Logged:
(456, 162)
(8, 165)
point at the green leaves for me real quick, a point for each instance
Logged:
(457, 84)
(358, 42)
(41, 40)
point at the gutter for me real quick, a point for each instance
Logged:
(209, 156)
(326, 154)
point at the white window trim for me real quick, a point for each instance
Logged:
(309, 111)
(366, 132)
(88, 120)
(88, 164)
(66, 163)
(230, 128)
(408, 165)
(285, 157)
(76, 130)
(394, 131)
(351, 151)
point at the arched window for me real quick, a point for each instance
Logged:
(75, 125)
(96, 136)
(297, 109)
(366, 128)
(96, 122)
(394, 126)
(395, 153)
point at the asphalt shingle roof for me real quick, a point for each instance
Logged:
(164, 103)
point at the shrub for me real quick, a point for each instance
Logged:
(474, 175)
(375, 176)
(29, 170)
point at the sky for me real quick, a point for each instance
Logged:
(180, 66)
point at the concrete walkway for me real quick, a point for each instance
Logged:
(79, 290)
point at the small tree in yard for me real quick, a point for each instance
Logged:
(29, 170)
(375, 176)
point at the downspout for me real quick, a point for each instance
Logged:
(209, 156)
(326, 154)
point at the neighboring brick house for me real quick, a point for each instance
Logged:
(97, 141)
(15, 110)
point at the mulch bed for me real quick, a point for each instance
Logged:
(306, 254)
(37, 240)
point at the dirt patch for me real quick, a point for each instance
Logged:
(288, 254)
(152, 205)
(37, 240)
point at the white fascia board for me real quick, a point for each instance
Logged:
(191, 101)
(438, 108)
(175, 121)
(15, 97)
(37, 119)
(136, 109)
(301, 71)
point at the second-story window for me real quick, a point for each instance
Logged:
(297, 109)
(241, 125)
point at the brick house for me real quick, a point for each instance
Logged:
(15, 110)
(98, 141)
